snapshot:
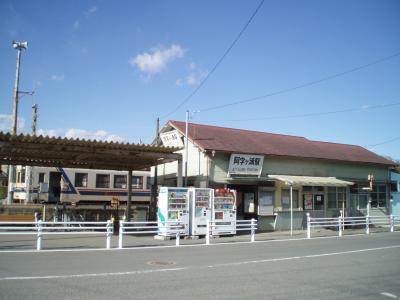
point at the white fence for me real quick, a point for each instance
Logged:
(216, 228)
(340, 223)
(41, 228)
(171, 228)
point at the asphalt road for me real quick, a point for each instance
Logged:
(352, 267)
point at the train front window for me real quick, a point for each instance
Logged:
(120, 181)
(81, 179)
(102, 180)
(137, 182)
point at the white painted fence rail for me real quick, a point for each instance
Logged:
(41, 228)
(340, 223)
(215, 228)
(132, 228)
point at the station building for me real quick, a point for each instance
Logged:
(267, 170)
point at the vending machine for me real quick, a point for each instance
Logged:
(173, 206)
(224, 211)
(200, 210)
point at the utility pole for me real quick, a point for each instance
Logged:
(29, 169)
(18, 46)
(153, 201)
(186, 147)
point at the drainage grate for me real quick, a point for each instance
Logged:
(161, 263)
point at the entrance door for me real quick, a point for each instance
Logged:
(54, 187)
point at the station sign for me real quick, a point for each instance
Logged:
(171, 139)
(246, 164)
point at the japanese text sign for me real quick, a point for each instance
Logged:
(246, 164)
(171, 139)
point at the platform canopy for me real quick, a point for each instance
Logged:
(46, 151)
(310, 180)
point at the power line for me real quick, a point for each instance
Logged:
(218, 62)
(309, 114)
(307, 84)
(385, 142)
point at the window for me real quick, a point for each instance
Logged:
(41, 178)
(81, 179)
(102, 180)
(378, 195)
(336, 197)
(286, 199)
(23, 174)
(137, 182)
(360, 196)
(148, 183)
(120, 181)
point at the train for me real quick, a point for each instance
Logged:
(80, 186)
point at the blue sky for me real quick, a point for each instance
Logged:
(107, 69)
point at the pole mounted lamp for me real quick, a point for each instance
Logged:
(18, 46)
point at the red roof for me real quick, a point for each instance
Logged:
(254, 142)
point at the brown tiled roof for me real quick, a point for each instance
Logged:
(255, 142)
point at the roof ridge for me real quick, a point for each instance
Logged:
(242, 130)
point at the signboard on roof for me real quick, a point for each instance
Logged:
(246, 164)
(171, 139)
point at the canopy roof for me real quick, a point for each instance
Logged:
(310, 180)
(86, 154)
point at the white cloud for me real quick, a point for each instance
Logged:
(195, 76)
(90, 11)
(156, 59)
(57, 77)
(76, 24)
(75, 133)
(6, 123)
(179, 82)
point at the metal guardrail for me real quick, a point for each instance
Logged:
(41, 228)
(214, 228)
(171, 228)
(348, 222)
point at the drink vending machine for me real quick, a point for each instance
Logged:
(200, 210)
(173, 206)
(224, 211)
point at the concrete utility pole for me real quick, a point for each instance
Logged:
(18, 46)
(29, 169)
(154, 187)
(186, 147)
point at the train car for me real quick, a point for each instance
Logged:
(80, 186)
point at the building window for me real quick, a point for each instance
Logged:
(137, 182)
(41, 178)
(148, 183)
(378, 195)
(336, 197)
(102, 180)
(81, 179)
(286, 199)
(120, 181)
(360, 195)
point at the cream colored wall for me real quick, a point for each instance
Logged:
(197, 163)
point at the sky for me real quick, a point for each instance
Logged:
(327, 70)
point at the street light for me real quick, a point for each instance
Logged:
(18, 46)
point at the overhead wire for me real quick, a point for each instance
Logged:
(307, 84)
(217, 64)
(385, 142)
(308, 114)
